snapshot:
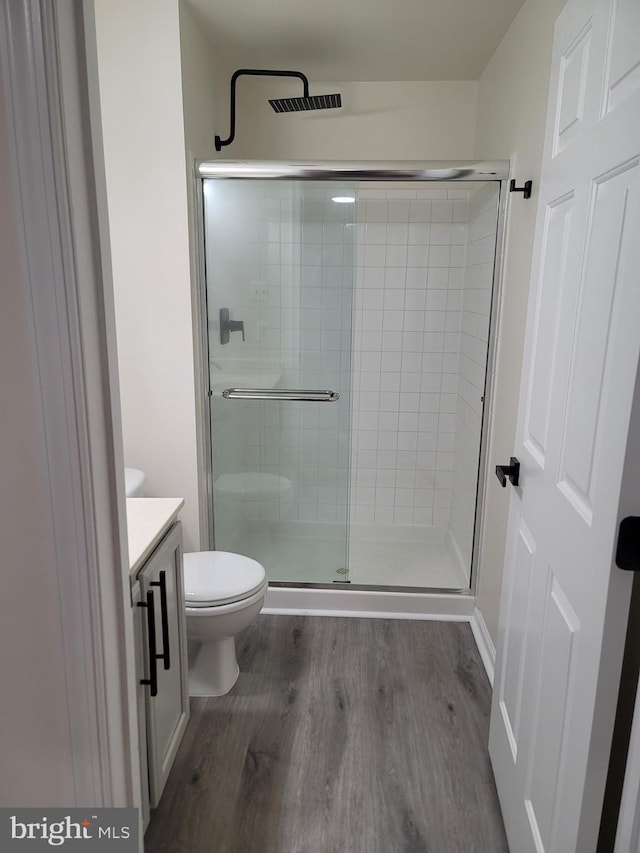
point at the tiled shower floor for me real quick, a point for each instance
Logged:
(389, 556)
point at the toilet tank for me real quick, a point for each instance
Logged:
(134, 480)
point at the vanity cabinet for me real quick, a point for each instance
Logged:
(161, 653)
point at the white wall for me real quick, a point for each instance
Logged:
(385, 121)
(512, 101)
(142, 111)
(200, 79)
(35, 739)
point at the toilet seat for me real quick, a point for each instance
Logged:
(216, 578)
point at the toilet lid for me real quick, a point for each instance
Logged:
(212, 578)
(252, 485)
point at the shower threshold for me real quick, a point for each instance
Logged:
(392, 557)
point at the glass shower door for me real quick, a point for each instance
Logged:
(279, 282)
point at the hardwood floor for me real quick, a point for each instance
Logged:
(340, 736)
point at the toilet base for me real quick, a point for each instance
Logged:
(215, 669)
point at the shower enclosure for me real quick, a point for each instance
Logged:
(348, 327)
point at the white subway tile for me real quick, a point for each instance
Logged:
(399, 210)
(409, 402)
(423, 516)
(374, 256)
(376, 234)
(383, 514)
(414, 321)
(404, 497)
(395, 277)
(387, 440)
(415, 300)
(370, 360)
(416, 278)
(393, 321)
(388, 421)
(386, 478)
(392, 361)
(408, 421)
(417, 256)
(394, 300)
(384, 497)
(391, 341)
(418, 234)
(423, 497)
(396, 256)
(373, 299)
(406, 478)
(397, 234)
(403, 514)
(372, 320)
(420, 211)
(389, 402)
(407, 441)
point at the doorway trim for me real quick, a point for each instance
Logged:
(49, 69)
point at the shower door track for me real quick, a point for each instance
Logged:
(340, 170)
(353, 170)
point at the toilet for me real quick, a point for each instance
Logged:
(224, 593)
(134, 482)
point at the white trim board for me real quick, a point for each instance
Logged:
(484, 643)
(372, 604)
(50, 78)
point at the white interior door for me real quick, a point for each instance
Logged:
(564, 604)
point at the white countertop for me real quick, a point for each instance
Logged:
(148, 519)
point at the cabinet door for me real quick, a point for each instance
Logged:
(139, 628)
(168, 710)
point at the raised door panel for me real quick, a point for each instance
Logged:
(623, 54)
(554, 694)
(599, 316)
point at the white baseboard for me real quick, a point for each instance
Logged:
(484, 643)
(372, 604)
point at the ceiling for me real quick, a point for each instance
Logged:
(359, 40)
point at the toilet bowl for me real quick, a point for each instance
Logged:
(224, 593)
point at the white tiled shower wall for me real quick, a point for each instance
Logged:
(410, 268)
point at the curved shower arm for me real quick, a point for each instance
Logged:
(255, 72)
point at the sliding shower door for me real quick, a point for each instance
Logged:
(279, 282)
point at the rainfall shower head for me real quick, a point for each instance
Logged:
(280, 105)
(311, 102)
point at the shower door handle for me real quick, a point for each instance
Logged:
(303, 394)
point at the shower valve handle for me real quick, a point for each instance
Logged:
(227, 326)
(512, 471)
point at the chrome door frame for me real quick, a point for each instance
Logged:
(395, 171)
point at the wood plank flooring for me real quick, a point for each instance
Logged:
(341, 736)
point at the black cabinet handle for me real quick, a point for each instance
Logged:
(512, 471)
(164, 613)
(152, 681)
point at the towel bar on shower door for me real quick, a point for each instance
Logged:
(280, 394)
